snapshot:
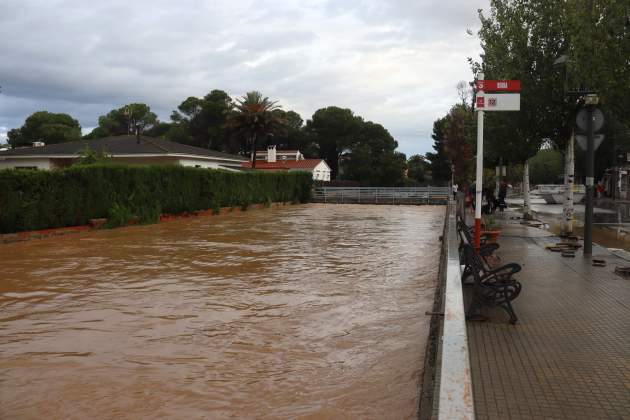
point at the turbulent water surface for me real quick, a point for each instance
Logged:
(313, 311)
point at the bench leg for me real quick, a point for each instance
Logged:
(508, 308)
(475, 307)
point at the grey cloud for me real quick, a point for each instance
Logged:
(420, 17)
(393, 62)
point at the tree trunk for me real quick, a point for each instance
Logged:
(569, 165)
(254, 152)
(526, 199)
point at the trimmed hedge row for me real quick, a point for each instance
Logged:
(32, 200)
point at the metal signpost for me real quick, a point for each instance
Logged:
(590, 120)
(490, 102)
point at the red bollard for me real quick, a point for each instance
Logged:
(477, 234)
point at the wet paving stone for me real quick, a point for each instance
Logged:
(568, 357)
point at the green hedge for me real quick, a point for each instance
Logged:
(31, 200)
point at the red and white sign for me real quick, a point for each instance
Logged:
(499, 85)
(499, 102)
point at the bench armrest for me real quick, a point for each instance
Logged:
(488, 249)
(501, 274)
(510, 268)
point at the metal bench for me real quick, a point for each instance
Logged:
(486, 250)
(494, 287)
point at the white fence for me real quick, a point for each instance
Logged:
(373, 195)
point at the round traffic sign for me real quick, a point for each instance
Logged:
(582, 119)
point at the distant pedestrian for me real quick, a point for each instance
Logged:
(455, 191)
(600, 189)
(503, 186)
(491, 200)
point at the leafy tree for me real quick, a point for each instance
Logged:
(546, 167)
(392, 167)
(179, 133)
(439, 163)
(372, 157)
(14, 137)
(254, 120)
(598, 51)
(417, 167)
(89, 156)
(202, 122)
(590, 42)
(47, 127)
(334, 130)
(295, 137)
(158, 130)
(125, 120)
(459, 141)
(96, 133)
(522, 40)
(454, 139)
(597, 57)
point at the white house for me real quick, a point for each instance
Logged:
(140, 150)
(318, 167)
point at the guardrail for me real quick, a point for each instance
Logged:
(455, 395)
(373, 195)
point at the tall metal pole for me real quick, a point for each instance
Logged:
(479, 180)
(590, 182)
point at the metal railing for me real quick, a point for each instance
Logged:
(382, 195)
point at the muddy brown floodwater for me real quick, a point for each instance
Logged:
(311, 311)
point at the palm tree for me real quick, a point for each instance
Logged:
(254, 118)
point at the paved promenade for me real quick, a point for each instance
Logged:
(568, 357)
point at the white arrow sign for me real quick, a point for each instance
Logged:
(582, 139)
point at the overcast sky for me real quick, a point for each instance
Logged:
(395, 62)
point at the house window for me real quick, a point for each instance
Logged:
(33, 168)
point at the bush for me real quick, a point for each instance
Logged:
(31, 200)
(118, 215)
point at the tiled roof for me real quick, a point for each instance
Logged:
(120, 145)
(285, 164)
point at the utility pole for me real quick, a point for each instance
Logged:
(479, 180)
(589, 121)
(590, 180)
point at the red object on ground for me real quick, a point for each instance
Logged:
(477, 234)
(499, 85)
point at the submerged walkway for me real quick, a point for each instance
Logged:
(568, 357)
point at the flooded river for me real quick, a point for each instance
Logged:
(312, 311)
